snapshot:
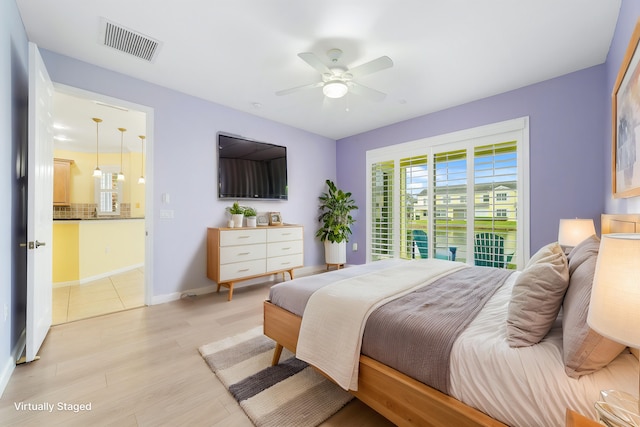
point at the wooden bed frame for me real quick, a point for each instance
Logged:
(399, 398)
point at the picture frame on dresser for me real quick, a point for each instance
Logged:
(262, 220)
(625, 100)
(275, 218)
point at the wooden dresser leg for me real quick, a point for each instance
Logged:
(276, 355)
(230, 291)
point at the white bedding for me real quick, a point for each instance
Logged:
(526, 386)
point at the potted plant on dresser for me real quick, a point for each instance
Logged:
(251, 215)
(237, 214)
(336, 220)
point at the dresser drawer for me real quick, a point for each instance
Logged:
(281, 234)
(238, 270)
(284, 248)
(231, 254)
(242, 237)
(284, 262)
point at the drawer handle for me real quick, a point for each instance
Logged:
(286, 249)
(285, 263)
(243, 237)
(243, 253)
(243, 270)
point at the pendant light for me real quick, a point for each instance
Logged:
(141, 179)
(97, 173)
(120, 174)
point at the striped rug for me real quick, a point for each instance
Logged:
(289, 394)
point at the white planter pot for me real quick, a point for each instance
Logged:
(237, 220)
(335, 253)
(252, 221)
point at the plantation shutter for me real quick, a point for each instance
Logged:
(382, 180)
(414, 206)
(450, 205)
(461, 196)
(496, 198)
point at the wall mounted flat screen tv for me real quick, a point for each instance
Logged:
(250, 169)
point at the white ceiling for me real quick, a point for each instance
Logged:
(75, 129)
(239, 53)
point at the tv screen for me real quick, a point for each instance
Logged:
(250, 169)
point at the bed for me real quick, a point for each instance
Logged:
(490, 383)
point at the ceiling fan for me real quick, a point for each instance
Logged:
(337, 79)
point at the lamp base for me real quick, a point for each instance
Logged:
(617, 409)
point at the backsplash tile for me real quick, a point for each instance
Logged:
(86, 211)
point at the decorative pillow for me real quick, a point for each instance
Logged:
(537, 296)
(585, 350)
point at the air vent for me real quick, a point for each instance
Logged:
(128, 41)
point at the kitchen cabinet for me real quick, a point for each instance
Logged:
(62, 182)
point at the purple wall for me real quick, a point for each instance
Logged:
(629, 14)
(566, 167)
(184, 166)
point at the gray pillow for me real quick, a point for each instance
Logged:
(537, 296)
(584, 350)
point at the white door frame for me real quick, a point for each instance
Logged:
(148, 192)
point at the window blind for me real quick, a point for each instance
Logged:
(382, 236)
(414, 206)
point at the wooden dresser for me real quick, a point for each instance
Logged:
(235, 254)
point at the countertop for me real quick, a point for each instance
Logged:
(107, 218)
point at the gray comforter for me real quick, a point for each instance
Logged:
(414, 334)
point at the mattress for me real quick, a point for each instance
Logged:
(518, 386)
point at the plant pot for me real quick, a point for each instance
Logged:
(335, 253)
(237, 220)
(252, 221)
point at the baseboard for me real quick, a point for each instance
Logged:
(65, 284)
(86, 280)
(298, 272)
(10, 364)
(161, 299)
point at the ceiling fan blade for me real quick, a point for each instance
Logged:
(315, 62)
(376, 65)
(366, 92)
(297, 88)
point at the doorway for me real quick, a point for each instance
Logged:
(100, 243)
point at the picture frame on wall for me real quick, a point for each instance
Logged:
(625, 122)
(275, 218)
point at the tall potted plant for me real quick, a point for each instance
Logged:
(336, 220)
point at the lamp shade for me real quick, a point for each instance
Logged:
(614, 311)
(573, 231)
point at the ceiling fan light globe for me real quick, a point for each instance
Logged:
(335, 89)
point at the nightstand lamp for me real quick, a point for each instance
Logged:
(573, 231)
(614, 310)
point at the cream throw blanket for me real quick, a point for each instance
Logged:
(334, 318)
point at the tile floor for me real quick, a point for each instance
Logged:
(115, 293)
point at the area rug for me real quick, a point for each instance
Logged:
(288, 394)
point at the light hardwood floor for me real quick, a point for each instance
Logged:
(141, 367)
(109, 295)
